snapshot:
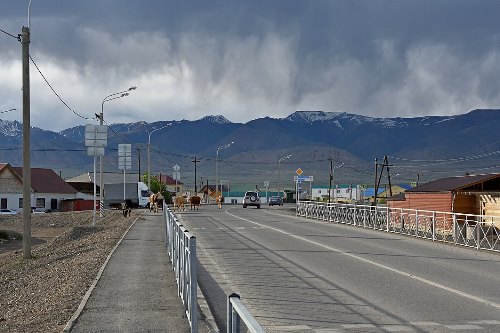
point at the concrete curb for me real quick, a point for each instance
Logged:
(76, 314)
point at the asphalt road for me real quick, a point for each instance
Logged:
(300, 275)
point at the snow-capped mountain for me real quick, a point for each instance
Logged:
(363, 137)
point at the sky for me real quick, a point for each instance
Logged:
(249, 59)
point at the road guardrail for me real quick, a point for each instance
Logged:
(237, 312)
(181, 247)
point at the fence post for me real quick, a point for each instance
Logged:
(416, 223)
(433, 226)
(233, 320)
(388, 219)
(455, 228)
(193, 285)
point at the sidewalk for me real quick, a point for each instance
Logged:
(137, 291)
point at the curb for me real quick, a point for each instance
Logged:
(76, 314)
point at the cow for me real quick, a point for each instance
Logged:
(179, 202)
(126, 208)
(153, 202)
(220, 201)
(195, 202)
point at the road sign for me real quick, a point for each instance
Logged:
(303, 178)
(96, 135)
(266, 183)
(98, 151)
(124, 156)
(177, 175)
(176, 167)
(299, 171)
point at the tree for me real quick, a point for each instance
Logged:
(157, 186)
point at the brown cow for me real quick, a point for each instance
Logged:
(195, 202)
(179, 202)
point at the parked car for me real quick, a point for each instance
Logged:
(275, 201)
(251, 198)
(7, 212)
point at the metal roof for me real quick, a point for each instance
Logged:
(453, 183)
(46, 181)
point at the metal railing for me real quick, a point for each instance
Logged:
(477, 231)
(237, 312)
(181, 247)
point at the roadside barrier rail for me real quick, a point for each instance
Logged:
(181, 247)
(477, 231)
(237, 312)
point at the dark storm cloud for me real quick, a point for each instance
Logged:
(247, 59)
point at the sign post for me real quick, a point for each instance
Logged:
(96, 138)
(177, 176)
(124, 161)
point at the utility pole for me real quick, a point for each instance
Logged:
(331, 178)
(375, 184)
(25, 40)
(386, 161)
(195, 161)
(139, 161)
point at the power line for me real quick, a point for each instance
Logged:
(53, 90)
(11, 35)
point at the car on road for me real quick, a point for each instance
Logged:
(275, 201)
(7, 212)
(251, 198)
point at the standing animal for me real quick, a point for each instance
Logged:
(179, 202)
(153, 202)
(126, 208)
(220, 201)
(195, 202)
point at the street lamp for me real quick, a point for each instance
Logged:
(149, 152)
(279, 164)
(217, 167)
(101, 122)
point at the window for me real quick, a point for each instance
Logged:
(53, 203)
(3, 203)
(144, 193)
(20, 202)
(40, 202)
(338, 191)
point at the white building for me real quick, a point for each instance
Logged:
(343, 192)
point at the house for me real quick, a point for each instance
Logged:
(48, 190)
(383, 192)
(171, 184)
(470, 194)
(340, 192)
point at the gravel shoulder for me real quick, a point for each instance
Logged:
(41, 294)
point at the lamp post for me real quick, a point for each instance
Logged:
(149, 152)
(279, 166)
(227, 145)
(101, 122)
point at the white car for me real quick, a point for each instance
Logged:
(251, 198)
(7, 212)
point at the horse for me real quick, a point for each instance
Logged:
(153, 202)
(195, 202)
(179, 202)
(220, 201)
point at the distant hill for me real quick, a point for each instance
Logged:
(312, 137)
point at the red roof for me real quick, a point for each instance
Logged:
(454, 183)
(46, 181)
(169, 180)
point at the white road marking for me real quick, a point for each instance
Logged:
(464, 327)
(394, 270)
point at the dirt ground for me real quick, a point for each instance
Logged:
(42, 293)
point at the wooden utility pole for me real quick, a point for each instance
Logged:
(331, 178)
(195, 161)
(25, 40)
(375, 184)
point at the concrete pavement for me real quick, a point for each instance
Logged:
(137, 291)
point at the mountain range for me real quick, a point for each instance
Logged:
(432, 146)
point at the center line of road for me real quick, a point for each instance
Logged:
(394, 270)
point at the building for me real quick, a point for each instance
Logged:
(48, 190)
(383, 193)
(342, 192)
(171, 184)
(471, 194)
